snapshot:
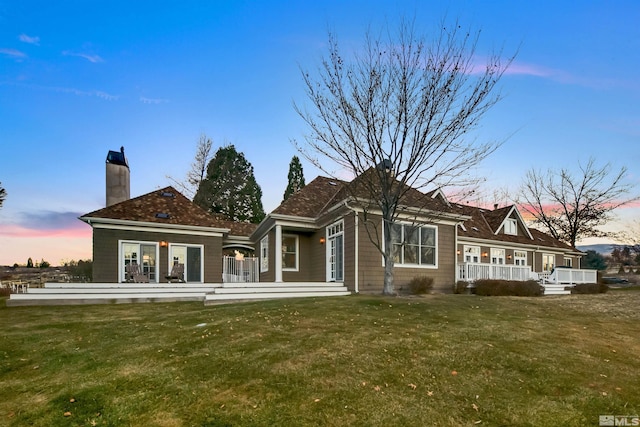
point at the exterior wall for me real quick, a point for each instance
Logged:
(371, 269)
(534, 257)
(105, 253)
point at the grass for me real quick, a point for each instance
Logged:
(445, 360)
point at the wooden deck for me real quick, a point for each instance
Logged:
(208, 293)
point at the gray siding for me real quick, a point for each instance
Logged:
(105, 253)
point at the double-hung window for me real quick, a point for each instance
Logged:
(290, 252)
(414, 244)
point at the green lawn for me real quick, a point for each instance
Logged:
(363, 360)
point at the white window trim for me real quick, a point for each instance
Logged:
(332, 231)
(422, 266)
(493, 254)
(525, 258)
(465, 250)
(570, 264)
(514, 226)
(121, 272)
(554, 261)
(187, 245)
(297, 239)
(264, 254)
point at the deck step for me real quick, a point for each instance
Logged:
(212, 298)
(279, 289)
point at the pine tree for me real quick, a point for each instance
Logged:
(296, 178)
(230, 188)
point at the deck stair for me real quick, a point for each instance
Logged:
(252, 291)
(209, 293)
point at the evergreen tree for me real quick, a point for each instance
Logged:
(295, 177)
(230, 188)
(594, 260)
(29, 263)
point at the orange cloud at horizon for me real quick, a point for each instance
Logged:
(18, 244)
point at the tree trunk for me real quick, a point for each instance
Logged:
(388, 288)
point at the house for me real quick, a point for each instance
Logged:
(326, 232)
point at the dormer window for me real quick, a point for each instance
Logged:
(511, 227)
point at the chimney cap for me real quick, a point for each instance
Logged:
(117, 157)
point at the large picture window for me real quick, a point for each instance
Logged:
(190, 256)
(414, 244)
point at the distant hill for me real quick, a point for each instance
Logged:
(602, 248)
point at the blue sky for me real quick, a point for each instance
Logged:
(79, 78)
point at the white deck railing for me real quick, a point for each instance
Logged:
(471, 271)
(571, 276)
(240, 270)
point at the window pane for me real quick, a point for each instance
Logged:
(410, 254)
(428, 236)
(411, 234)
(428, 256)
(396, 252)
(288, 260)
(396, 233)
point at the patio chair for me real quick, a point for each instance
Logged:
(134, 274)
(177, 273)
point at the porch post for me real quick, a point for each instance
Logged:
(278, 254)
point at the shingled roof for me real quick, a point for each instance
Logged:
(166, 206)
(322, 193)
(312, 199)
(484, 223)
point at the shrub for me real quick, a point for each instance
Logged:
(420, 285)
(5, 292)
(460, 287)
(589, 288)
(490, 287)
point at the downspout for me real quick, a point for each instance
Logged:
(357, 244)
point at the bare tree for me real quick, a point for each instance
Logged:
(574, 205)
(189, 186)
(407, 104)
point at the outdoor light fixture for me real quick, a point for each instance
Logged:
(484, 254)
(508, 256)
(458, 251)
(322, 240)
(164, 244)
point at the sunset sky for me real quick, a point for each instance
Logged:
(80, 78)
